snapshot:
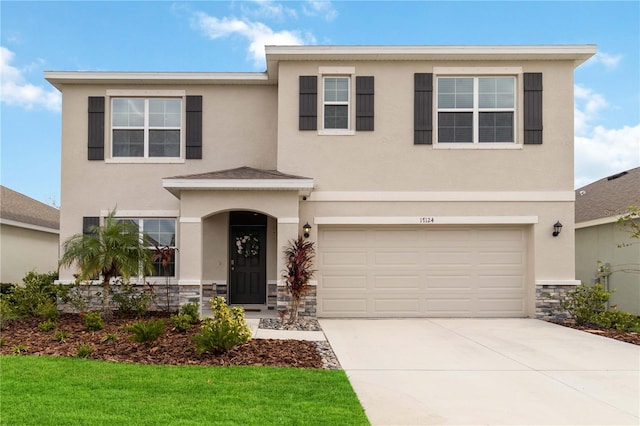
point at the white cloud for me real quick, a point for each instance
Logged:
(17, 91)
(610, 62)
(323, 8)
(256, 33)
(605, 152)
(600, 152)
(267, 9)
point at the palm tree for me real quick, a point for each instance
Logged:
(112, 250)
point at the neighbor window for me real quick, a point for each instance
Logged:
(336, 102)
(162, 233)
(146, 127)
(476, 109)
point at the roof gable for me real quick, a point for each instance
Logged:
(17, 207)
(608, 197)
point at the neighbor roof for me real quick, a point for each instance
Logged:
(16, 207)
(608, 197)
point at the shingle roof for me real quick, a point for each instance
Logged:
(609, 196)
(241, 173)
(20, 208)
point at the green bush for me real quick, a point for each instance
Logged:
(38, 290)
(192, 310)
(110, 337)
(48, 311)
(619, 320)
(181, 322)
(129, 300)
(84, 351)
(225, 330)
(60, 336)
(6, 312)
(586, 303)
(93, 321)
(146, 331)
(47, 325)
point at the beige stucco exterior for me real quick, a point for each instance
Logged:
(359, 178)
(25, 249)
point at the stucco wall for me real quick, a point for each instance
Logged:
(601, 243)
(24, 250)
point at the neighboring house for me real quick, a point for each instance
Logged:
(29, 232)
(600, 239)
(431, 176)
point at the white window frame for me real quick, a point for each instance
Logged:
(147, 94)
(476, 73)
(337, 72)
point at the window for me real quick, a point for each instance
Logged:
(476, 109)
(146, 127)
(163, 233)
(336, 102)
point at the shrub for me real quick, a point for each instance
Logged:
(192, 310)
(110, 337)
(619, 320)
(60, 336)
(38, 289)
(181, 322)
(47, 325)
(129, 300)
(93, 321)
(78, 295)
(6, 312)
(146, 331)
(225, 330)
(84, 351)
(48, 311)
(586, 303)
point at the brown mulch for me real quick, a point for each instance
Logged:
(174, 348)
(624, 336)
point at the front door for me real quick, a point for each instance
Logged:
(247, 258)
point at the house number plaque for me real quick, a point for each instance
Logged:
(426, 219)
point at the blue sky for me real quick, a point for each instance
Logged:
(228, 36)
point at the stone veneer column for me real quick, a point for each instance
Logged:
(549, 295)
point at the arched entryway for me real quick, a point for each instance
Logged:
(247, 270)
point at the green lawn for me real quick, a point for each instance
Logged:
(64, 391)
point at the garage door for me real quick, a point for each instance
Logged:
(418, 271)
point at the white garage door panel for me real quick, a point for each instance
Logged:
(418, 271)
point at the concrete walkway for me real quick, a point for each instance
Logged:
(486, 372)
(263, 333)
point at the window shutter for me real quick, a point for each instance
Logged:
(423, 109)
(308, 114)
(95, 136)
(364, 103)
(532, 108)
(194, 128)
(88, 222)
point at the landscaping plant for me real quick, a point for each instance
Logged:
(164, 256)
(47, 325)
(586, 303)
(112, 250)
(299, 255)
(130, 301)
(93, 321)
(84, 350)
(225, 330)
(38, 290)
(146, 331)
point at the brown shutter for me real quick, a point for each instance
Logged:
(194, 128)
(308, 113)
(88, 222)
(532, 108)
(423, 108)
(95, 136)
(364, 103)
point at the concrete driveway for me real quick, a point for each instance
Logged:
(486, 371)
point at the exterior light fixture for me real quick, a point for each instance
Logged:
(557, 228)
(307, 229)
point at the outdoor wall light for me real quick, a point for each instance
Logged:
(307, 229)
(557, 228)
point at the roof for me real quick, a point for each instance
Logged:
(241, 178)
(274, 54)
(608, 197)
(18, 209)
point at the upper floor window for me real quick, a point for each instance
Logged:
(476, 109)
(336, 102)
(146, 127)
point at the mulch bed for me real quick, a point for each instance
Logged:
(624, 336)
(174, 348)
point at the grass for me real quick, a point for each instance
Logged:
(55, 391)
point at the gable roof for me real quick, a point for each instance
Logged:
(608, 197)
(241, 173)
(19, 209)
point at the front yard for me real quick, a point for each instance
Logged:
(55, 391)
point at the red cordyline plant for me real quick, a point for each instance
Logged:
(299, 255)
(164, 255)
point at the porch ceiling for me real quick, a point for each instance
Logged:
(241, 178)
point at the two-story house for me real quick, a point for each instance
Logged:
(431, 176)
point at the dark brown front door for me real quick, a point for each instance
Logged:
(247, 258)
